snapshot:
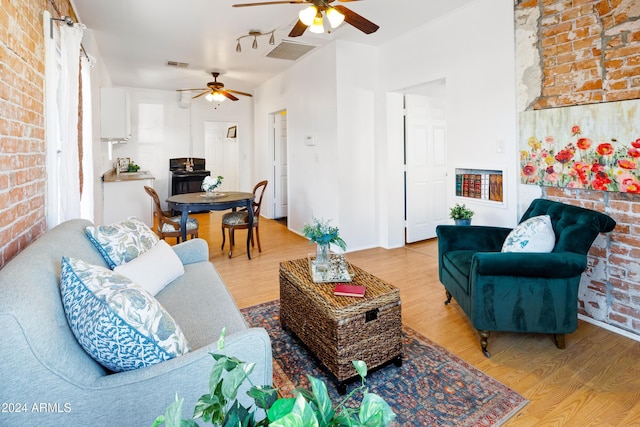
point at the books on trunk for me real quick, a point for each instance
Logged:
(347, 290)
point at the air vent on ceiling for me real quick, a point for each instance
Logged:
(177, 64)
(289, 50)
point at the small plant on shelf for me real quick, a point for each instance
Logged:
(460, 213)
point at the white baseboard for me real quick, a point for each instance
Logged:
(609, 327)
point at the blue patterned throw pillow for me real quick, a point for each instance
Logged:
(122, 241)
(533, 235)
(118, 323)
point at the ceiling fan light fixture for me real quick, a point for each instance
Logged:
(307, 15)
(272, 39)
(218, 97)
(209, 97)
(318, 25)
(334, 16)
(238, 46)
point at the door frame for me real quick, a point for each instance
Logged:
(275, 196)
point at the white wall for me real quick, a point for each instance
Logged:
(161, 129)
(343, 96)
(478, 67)
(308, 92)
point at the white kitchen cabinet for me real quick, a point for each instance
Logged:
(124, 196)
(115, 119)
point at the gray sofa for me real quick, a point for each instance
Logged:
(47, 379)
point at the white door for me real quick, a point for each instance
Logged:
(425, 147)
(280, 197)
(222, 155)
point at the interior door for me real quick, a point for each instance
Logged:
(425, 164)
(280, 170)
(222, 154)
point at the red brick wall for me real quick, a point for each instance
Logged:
(589, 53)
(22, 146)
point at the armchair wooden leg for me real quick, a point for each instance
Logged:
(448, 301)
(560, 340)
(484, 337)
(224, 237)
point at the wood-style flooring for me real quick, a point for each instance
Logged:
(595, 381)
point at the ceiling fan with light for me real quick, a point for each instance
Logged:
(311, 17)
(215, 91)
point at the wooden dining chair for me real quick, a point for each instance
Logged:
(167, 225)
(240, 219)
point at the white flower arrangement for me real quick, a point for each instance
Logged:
(210, 183)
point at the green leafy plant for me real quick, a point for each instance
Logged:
(321, 232)
(460, 212)
(312, 407)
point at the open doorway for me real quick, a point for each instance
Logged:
(222, 153)
(278, 136)
(425, 161)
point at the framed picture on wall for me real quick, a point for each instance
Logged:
(231, 132)
(123, 164)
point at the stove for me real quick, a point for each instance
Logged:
(186, 175)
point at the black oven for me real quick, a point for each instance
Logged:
(186, 175)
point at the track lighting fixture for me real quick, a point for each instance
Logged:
(255, 34)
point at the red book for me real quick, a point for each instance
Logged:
(346, 290)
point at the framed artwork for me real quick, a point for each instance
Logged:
(123, 164)
(594, 147)
(231, 132)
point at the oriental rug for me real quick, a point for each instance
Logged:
(433, 387)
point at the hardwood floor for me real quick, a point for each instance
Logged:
(595, 381)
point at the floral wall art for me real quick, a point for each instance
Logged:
(593, 147)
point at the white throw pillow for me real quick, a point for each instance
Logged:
(154, 269)
(534, 235)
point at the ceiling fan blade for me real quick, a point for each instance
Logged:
(270, 2)
(203, 93)
(228, 95)
(360, 22)
(239, 93)
(183, 90)
(298, 29)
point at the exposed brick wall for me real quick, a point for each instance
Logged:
(22, 146)
(589, 52)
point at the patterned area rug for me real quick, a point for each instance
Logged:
(432, 388)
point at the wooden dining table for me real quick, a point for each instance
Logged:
(197, 202)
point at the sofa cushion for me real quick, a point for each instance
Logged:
(154, 269)
(117, 322)
(533, 235)
(122, 241)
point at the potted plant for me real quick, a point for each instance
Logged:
(461, 214)
(309, 408)
(321, 233)
(210, 184)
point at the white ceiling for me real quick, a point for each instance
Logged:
(136, 38)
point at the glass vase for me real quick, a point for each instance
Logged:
(323, 257)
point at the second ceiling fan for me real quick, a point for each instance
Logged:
(215, 91)
(311, 17)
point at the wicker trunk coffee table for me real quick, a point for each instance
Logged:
(340, 329)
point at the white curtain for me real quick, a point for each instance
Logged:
(86, 200)
(61, 121)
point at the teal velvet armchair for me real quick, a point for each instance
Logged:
(517, 291)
